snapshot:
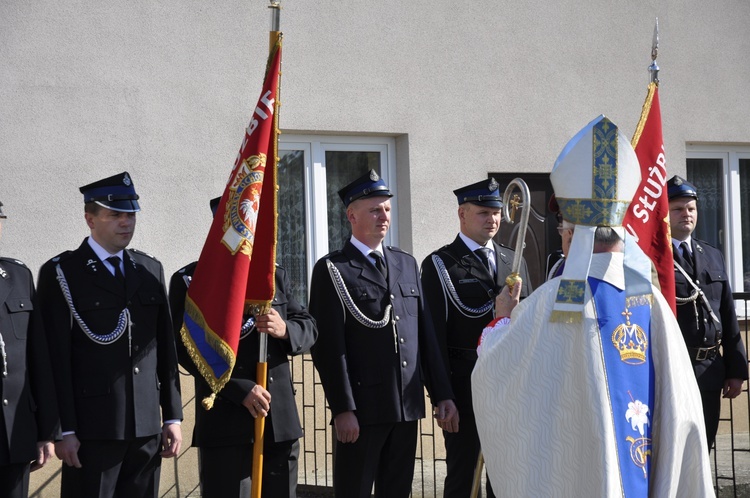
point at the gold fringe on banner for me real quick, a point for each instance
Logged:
(216, 343)
(644, 114)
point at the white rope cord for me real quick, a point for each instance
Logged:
(123, 322)
(5, 356)
(445, 280)
(346, 299)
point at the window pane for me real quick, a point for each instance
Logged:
(343, 167)
(708, 177)
(745, 219)
(291, 250)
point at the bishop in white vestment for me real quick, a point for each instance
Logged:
(587, 389)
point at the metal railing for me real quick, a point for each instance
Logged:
(730, 455)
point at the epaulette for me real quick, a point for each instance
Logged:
(13, 260)
(444, 248)
(61, 257)
(699, 243)
(138, 251)
(397, 249)
(187, 267)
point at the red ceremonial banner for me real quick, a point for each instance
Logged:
(235, 271)
(647, 218)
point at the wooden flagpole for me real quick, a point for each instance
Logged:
(261, 371)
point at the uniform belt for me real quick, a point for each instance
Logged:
(462, 354)
(700, 354)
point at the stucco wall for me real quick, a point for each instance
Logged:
(164, 90)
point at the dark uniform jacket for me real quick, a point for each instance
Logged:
(711, 276)
(112, 391)
(458, 334)
(229, 422)
(375, 372)
(28, 396)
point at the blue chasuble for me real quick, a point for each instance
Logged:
(625, 338)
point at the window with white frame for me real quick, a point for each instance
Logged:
(312, 220)
(722, 176)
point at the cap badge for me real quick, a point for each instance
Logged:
(126, 180)
(493, 186)
(374, 175)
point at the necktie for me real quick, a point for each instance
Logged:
(688, 257)
(115, 261)
(484, 255)
(380, 263)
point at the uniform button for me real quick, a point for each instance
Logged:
(270, 379)
(393, 297)
(403, 363)
(397, 318)
(96, 303)
(5, 402)
(401, 340)
(136, 370)
(135, 347)
(21, 305)
(413, 291)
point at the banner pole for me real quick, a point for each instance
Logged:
(261, 371)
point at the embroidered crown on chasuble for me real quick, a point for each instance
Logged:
(594, 179)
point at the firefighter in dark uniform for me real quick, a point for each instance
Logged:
(375, 344)
(460, 282)
(224, 434)
(705, 308)
(107, 319)
(28, 424)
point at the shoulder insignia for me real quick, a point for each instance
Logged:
(397, 249)
(138, 251)
(190, 267)
(13, 260)
(61, 256)
(445, 248)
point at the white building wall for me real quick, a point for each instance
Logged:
(164, 90)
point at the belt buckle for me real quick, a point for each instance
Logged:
(702, 354)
